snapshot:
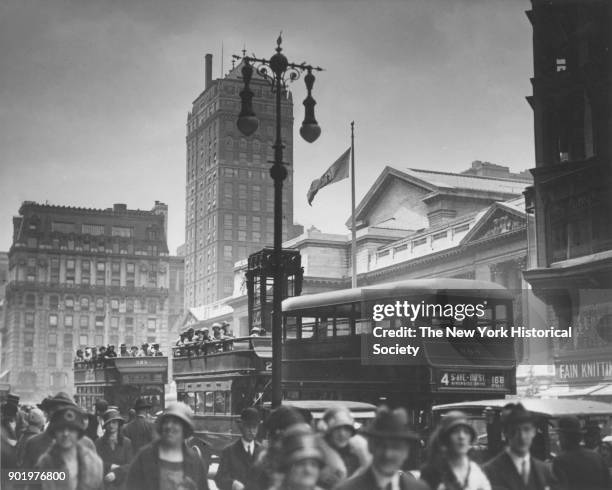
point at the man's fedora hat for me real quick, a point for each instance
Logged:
(514, 414)
(141, 404)
(250, 416)
(390, 425)
(569, 425)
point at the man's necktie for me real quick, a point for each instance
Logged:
(524, 474)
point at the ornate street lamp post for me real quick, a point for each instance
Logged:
(278, 71)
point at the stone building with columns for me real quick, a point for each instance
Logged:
(418, 223)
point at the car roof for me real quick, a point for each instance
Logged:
(542, 406)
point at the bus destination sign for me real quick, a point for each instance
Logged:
(493, 381)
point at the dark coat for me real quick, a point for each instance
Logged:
(122, 455)
(236, 464)
(90, 469)
(37, 445)
(503, 475)
(365, 480)
(582, 469)
(143, 473)
(141, 431)
(21, 444)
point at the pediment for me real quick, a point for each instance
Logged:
(498, 220)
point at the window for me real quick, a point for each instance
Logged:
(83, 339)
(228, 283)
(84, 303)
(256, 223)
(51, 359)
(99, 323)
(242, 235)
(85, 265)
(52, 340)
(30, 301)
(130, 268)
(99, 339)
(68, 340)
(116, 267)
(70, 264)
(129, 305)
(28, 339)
(99, 304)
(100, 266)
(29, 320)
(84, 321)
(122, 231)
(152, 306)
(53, 320)
(114, 322)
(228, 252)
(67, 359)
(88, 229)
(242, 191)
(53, 302)
(114, 304)
(28, 359)
(152, 278)
(69, 303)
(242, 221)
(151, 324)
(68, 321)
(62, 227)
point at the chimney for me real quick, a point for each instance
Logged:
(208, 70)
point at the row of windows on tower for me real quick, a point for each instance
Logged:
(85, 303)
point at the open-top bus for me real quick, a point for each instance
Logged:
(326, 336)
(121, 381)
(219, 380)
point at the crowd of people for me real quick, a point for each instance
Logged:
(199, 341)
(104, 451)
(102, 356)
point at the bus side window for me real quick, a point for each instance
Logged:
(362, 326)
(201, 403)
(308, 326)
(342, 327)
(208, 406)
(219, 402)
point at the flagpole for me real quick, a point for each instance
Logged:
(353, 231)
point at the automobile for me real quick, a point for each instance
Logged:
(362, 412)
(484, 415)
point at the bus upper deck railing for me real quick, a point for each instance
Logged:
(227, 355)
(108, 370)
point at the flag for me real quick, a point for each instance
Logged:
(338, 171)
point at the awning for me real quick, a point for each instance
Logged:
(582, 391)
(604, 390)
(553, 391)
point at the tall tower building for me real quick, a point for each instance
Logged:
(81, 277)
(229, 210)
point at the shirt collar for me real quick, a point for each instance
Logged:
(382, 481)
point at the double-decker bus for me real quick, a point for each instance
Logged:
(219, 379)
(328, 341)
(121, 381)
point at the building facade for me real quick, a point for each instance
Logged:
(3, 282)
(81, 277)
(475, 228)
(229, 210)
(571, 264)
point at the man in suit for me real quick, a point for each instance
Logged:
(577, 467)
(237, 459)
(389, 442)
(514, 468)
(141, 431)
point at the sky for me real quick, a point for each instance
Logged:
(94, 95)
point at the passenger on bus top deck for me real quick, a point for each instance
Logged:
(133, 351)
(217, 335)
(142, 352)
(155, 350)
(79, 356)
(226, 331)
(110, 352)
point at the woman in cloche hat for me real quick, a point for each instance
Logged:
(115, 449)
(301, 459)
(167, 462)
(448, 465)
(81, 465)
